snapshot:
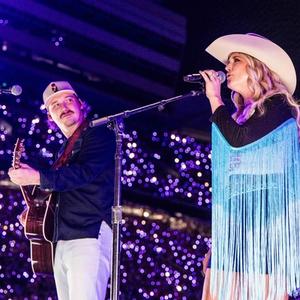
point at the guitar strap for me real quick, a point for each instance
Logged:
(41, 195)
(65, 156)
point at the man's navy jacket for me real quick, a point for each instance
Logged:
(83, 189)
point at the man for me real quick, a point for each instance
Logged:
(82, 183)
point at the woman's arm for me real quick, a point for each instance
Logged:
(277, 111)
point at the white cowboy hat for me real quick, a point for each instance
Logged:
(273, 56)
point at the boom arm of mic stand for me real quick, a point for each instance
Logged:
(127, 113)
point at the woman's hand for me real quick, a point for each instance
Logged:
(212, 88)
(206, 261)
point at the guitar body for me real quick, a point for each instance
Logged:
(39, 224)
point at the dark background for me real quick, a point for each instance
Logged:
(123, 54)
(119, 55)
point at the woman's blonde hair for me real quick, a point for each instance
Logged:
(263, 83)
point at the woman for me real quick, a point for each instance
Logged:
(256, 173)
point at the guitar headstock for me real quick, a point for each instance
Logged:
(17, 154)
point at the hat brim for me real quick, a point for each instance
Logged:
(273, 56)
(59, 93)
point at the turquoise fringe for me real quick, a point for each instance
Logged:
(256, 216)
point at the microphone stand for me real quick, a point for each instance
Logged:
(115, 122)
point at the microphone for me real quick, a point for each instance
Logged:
(197, 78)
(15, 90)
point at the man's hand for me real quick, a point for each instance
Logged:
(24, 175)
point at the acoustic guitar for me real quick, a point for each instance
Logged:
(39, 221)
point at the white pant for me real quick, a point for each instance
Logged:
(82, 266)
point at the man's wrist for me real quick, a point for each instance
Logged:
(37, 178)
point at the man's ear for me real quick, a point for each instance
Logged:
(49, 117)
(80, 102)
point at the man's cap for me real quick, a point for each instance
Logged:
(56, 88)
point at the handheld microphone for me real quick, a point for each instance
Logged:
(15, 90)
(197, 78)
